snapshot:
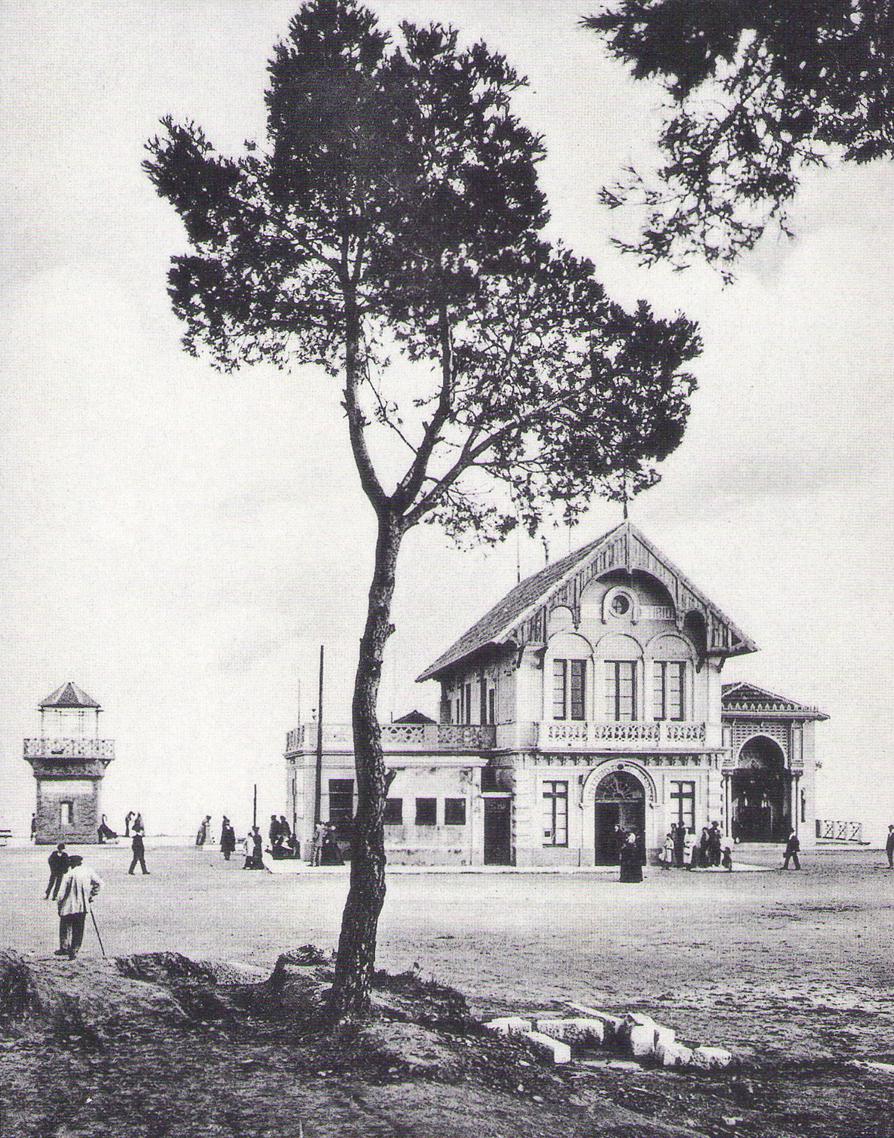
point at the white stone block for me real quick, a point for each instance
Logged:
(673, 1054)
(553, 1049)
(711, 1058)
(577, 1032)
(639, 1039)
(509, 1025)
(664, 1035)
(612, 1024)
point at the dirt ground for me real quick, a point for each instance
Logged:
(791, 971)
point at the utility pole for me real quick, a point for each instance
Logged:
(254, 806)
(318, 782)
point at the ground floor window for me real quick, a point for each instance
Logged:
(454, 811)
(555, 813)
(394, 811)
(426, 811)
(66, 813)
(682, 798)
(341, 806)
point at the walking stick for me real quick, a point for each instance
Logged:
(96, 926)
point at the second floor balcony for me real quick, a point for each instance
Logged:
(669, 736)
(644, 735)
(76, 747)
(398, 737)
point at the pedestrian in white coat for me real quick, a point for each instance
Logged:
(79, 886)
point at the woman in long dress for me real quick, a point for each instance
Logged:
(631, 861)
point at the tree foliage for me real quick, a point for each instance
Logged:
(390, 224)
(758, 91)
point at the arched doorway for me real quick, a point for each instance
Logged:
(759, 793)
(620, 806)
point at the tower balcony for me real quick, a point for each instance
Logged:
(77, 747)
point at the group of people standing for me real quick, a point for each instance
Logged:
(682, 850)
(324, 849)
(283, 843)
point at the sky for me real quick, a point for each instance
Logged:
(180, 542)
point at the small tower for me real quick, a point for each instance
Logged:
(69, 761)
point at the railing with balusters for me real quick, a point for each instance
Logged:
(837, 831)
(400, 736)
(79, 747)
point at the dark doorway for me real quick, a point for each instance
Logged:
(759, 793)
(620, 809)
(497, 837)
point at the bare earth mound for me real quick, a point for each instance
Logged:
(162, 1046)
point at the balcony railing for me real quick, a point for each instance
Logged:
(661, 736)
(399, 736)
(82, 747)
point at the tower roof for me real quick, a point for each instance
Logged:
(520, 616)
(69, 695)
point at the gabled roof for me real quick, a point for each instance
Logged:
(415, 716)
(745, 698)
(69, 695)
(521, 616)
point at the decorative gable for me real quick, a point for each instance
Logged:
(748, 699)
(522, 616)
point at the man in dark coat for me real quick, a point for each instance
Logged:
(227, 838)
(889, 847)
(679, 841)
(139, 852)
(631, 860)
(792, 849)
(715, 846)
(58, 860)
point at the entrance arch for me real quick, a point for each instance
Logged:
(759, 792)
(619, 808)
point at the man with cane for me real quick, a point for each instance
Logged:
(79, 886)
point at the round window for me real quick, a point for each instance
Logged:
(620, 604)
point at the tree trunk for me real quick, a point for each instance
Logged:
(360, 919)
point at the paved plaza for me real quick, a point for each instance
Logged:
(794, 963)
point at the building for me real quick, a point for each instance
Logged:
(589, 698)
(69, 761)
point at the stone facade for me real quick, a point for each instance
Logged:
(589, 699)
(69, 762)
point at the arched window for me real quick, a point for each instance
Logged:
(567, 674)
(622, 669)
(671, 656)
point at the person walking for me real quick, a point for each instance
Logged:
(80, 886)
(889, 847)
(715, 843)
(792, 849)
(139, 853)
(58, 861)
(316, 845)
(689, 849)
(202, 832)
(257, 849)
(128, 818)
(666, 856)
(679, 842)
(227, 838)
(631, 860)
